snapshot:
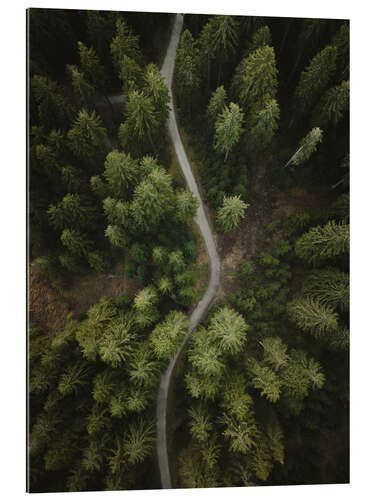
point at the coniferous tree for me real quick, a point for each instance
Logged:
(255, 79)
(187, 76)
(228, 129)
(231, 212)
(316, 77)
(141, 121)
(167, 336)
(330, 286)
(75, 242)
(312, 316)
(323, 242)
(125, 43)
(263, 126)
(306, 148)
(81, 86)
(333, 105)
(87, 137)
(216, 105)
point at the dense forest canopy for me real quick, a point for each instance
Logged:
(260, 394)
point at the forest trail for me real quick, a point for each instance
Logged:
(204, 227)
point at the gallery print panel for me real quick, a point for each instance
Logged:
(188, 230)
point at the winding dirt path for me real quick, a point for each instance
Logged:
(204, 227)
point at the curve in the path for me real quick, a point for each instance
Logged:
(213, 285)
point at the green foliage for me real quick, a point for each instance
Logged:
(116, 236)
(230, 213)
(187, 76)
(200, 423)
(186, 206)
(312, 316)
(323, 242)
(167, 336)
(130, 73)
(216, 105)
(120, 171)
(138, 442)
(255, 79)
(153, 199)
(315, 78)
(228, 329)
(157, 90)
(141, 120)
(333, 105)
(260, 38)
(73, 379)
(329, 286)
(263, 127)
(75, 242)
(263, 378)
(228, 129)
(87, 136)
(54, 109)
(307, 146)
(125, 43)
(275, 352)
(81, 86)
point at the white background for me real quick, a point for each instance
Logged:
(13, 242)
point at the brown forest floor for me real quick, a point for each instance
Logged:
(49, 308)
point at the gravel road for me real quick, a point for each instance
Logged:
(204, 227)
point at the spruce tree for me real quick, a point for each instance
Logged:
(230, 213)
(228, 129)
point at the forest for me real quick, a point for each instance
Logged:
(118, 265)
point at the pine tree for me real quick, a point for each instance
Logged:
(116, 236)
(204, 355)
(143, 370)
(84, 90)
(116, 345)
(260, 38)
(200, 423)
(70, 213)
(54, 109)
(333, 105)
(323, 242)
(125, 43)
(230, 213)
(186, 206)
(316, 77)
(228, 329)
(153, 199)
(103, 386)
(312, 316)
(165, 285)
(275, 352)
(87, 136)
(156, 88)
(138, 442)
(130, 74)
(263, 127)
(141, 121)
(262, 377)
(329, 286)
(120, 171)
(228, 129)
(187, 76)
(255, 79)
(306, 148)
(75, 242)
(73, 379)
(216, 105)
(167, 336)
